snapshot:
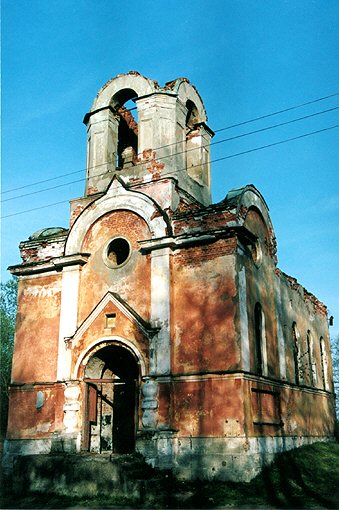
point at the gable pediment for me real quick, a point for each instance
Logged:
(119, 303)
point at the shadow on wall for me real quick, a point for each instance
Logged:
(309, 413)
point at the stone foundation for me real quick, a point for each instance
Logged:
(235, 459)
(189, 458)
(14, 448)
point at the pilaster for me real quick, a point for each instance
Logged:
(102, 141)
(68, 318)
(160, 353)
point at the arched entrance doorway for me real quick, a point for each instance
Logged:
(111, 394)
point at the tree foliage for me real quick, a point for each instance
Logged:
(8, 306)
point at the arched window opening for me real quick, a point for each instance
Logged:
(295, 335)
(127, 147)
(258, 334)
(324, 364)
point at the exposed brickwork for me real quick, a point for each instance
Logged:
(203, 220)
(92, 190)
(77, 206)
(155, 169)
(319, 307)
(197, 255)
(42, 250)
(127, 116)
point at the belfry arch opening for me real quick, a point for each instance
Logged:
(110, 401)
(127, 146)
(192, 116)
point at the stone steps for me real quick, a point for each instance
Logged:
(84, 475)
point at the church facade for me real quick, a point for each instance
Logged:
(159, 322)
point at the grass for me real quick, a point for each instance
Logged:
(303, 478)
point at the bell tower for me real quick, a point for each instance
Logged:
(164, 136)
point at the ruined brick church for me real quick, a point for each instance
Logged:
(159, 322)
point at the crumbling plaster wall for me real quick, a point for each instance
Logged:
(35, 359)
(38, 250)
(300, 307)
(203, 308)
(26, 421)
(37, 329)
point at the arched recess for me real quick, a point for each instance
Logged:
(192, 116)
(111, 370)
(98, 344)
(255, 223)
(116, 198)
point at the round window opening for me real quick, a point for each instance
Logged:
(117, 252)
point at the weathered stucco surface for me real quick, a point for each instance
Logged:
(204, 309)
(36, 337)
(28, 422)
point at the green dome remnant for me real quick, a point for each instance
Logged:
(47, 232)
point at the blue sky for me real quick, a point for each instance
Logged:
(247, 58)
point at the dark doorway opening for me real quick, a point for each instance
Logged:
(111, 389)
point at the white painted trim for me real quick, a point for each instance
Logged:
(104, 341)
(50, 267)
(68, 318)
(244, 340)
(160, 362)
(175, 242)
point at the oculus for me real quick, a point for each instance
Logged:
(117, 252)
